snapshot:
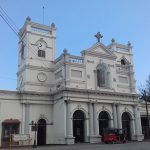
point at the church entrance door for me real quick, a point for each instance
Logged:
(41, 133)
(126, 125)
(78, 126)
(103, 122)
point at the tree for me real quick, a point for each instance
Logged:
(145, 95)
(148, 85)
(148, 88)
(145, 90)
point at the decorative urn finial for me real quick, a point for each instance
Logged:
(28, 18)
(113, 40)
(53, 25)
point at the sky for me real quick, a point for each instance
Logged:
(77, 21)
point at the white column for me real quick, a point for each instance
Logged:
(139, 120)
(136, 120)
(111, 124)
(69, 131)
(23, 120)
(114, 115)
(91, 119)
(119, 116)
(69, 120)
(96, 124)
(27, 118)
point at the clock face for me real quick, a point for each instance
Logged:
(41, 45)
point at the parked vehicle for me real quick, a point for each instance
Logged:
(114, 135)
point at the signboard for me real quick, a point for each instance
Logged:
(20, 137)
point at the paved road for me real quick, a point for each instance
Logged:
(86, 146)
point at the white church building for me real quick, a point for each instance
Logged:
(70, 98)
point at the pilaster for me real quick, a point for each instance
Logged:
(119, 121)
(91, 130)
(96, 123)
(114, 115)
(69, 125)
(93, 125)
(27, 118)
(138, 135)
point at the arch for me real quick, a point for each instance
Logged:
(78, 125)
(78, 115)
(126, 124)
(81, 109)
(104, 119)
(42, 116)
(129, 112)
(102, 66)
(124, 61)
(104, 108)
(41, 132)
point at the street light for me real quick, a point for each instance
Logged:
(147, 115)
(34, 125)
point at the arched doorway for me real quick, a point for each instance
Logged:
(78, 126)
(126, 125)
(103, 121)
(41, 132)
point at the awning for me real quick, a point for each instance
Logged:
(11, 121)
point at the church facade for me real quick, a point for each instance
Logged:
(71, 98)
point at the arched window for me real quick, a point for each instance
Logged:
(123, 62)
(103, 76)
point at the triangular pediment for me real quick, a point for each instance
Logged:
(99, 49)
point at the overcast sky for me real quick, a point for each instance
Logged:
(77, 22)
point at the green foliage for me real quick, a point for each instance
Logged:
(145, 95)
(148, 86)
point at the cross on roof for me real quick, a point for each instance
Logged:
(98, 36)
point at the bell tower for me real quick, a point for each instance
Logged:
(36, 56)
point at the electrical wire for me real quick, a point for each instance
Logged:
(15, 29)
(14, 25)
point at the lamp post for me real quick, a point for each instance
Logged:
(147, 115)
(34, 124)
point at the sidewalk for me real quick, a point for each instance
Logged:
(87, 146)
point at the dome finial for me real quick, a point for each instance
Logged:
(28, 18)
(129, 43)
(53, 25)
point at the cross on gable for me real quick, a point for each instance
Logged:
(98, 36)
